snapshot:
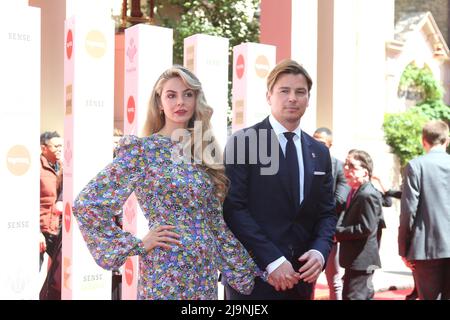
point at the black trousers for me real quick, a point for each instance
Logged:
(51, 289)
(51, 242)
(116, 285)
(432, 278)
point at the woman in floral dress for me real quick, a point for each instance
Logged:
(180, 187)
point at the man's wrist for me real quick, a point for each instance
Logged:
(275, 264)
(320, 255)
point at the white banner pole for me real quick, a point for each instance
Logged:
(143, 66)
(20, 76)
(88, 129)
(207, 57)
(252, 63)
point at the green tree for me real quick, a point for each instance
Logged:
(403, 130)
(403, 133)
(435, 109)
(236, 20)
(422, 81)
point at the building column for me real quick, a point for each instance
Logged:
(291, 26)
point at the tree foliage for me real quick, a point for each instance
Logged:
(435, 109)
(422, 81)
(403, 133)
(403, 130)
(233, 19)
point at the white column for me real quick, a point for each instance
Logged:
(252, 63)
(344, 69)
(371, 98)
(207, 57)
(89, 112)
(304, 33)
(359, 75)
(20, 40)
(143, 66)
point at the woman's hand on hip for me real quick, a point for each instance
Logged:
(161, 236)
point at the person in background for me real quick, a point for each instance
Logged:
(50, 187)
(423, 234)
(50, 209)
(180, 190)
(340, 189)
(357, 228)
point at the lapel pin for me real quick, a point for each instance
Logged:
(313, 155)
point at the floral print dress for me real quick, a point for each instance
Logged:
(169, 193)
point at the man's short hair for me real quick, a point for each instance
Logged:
(287, 66)
(324, 130)
(364, 158)
(435, 132)
(47, 136)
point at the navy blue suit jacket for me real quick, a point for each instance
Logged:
(260, 209)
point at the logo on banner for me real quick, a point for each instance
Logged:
(18, 160)
(94, 103)
(262, 66)
(129, 271)
(131, 50)
(240, 66)
(22, 224)
(19, 36)
(18, 281)
(131, 109)
(95, 44)
(92, 282)
(68, 100)
(239, 112)
(130, 210)
(67, 216)
(67, 154)
(190, 57)
(67, 267)
(69, 44)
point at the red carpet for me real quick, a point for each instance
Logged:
(322, 292)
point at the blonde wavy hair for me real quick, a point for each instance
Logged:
(155, 121)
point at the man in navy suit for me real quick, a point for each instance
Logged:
(280, 203)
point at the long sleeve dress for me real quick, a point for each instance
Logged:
(169, 193)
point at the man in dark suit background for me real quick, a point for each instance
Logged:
(341, 189)
(280, 204)
(424, 231)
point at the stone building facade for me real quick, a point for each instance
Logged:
(439, 8)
